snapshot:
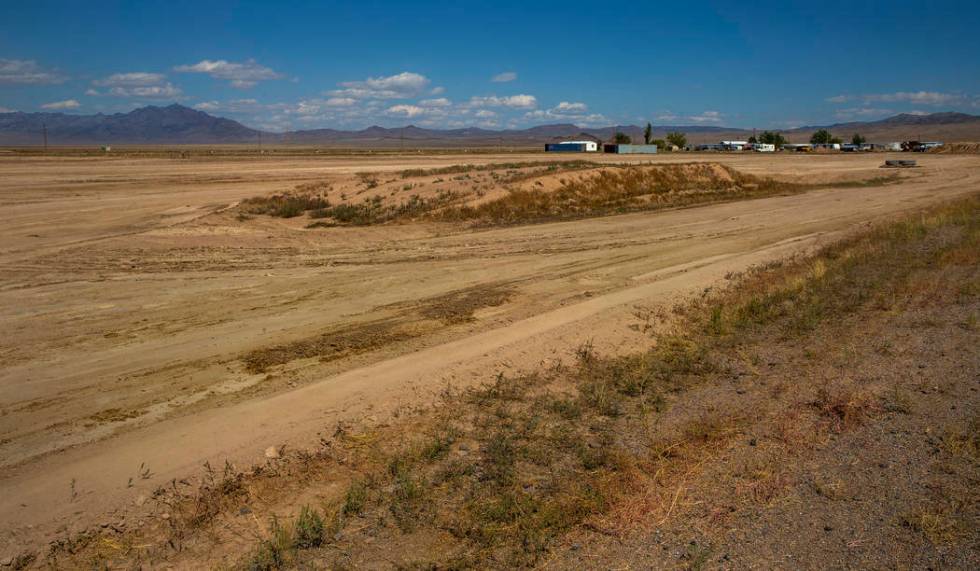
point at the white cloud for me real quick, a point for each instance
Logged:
(553, 114)
(861, 113)
(667, 116)
(307, 107)
(485, 114)
(440, 102)
(233, 106)
(707, 117)
(6, 110)
(28, 72)
(165, 91)
(340, 102)
(912, 97)
(133, 79)
(138, 84)
(241, 75)
(504, 77)
(404, 85)
(566, 107)
(521, 101)
(66, 104)
(917, 97)
(439, 90)
(568, 112)
(406, 110)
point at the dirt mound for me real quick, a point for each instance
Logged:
(614, 190)
(961, 148)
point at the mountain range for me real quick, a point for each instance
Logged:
(176, 124)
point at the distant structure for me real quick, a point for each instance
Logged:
(920, 146)
(572, 147)
(737, 146)
(623, 149)
(798, 147)
(734, 145)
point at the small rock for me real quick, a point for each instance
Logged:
(140, 500)
(272, 452)
(165, 516)
(7, 562)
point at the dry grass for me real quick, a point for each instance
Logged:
(286, 205)
(331, 345)
(598, 191)
(616, 190)
(548, 166)
(501, 472)
(559, 450)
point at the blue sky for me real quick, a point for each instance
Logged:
(289, 65)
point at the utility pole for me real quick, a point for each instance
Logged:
(260, 142)
(44, 132)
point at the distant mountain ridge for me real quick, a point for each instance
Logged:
(176, 124)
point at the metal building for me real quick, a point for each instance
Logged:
(572, 147)
(622, 149)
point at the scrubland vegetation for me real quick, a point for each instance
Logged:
(598, 192)
(496, 476)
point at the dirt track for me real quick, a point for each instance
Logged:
(126, 306)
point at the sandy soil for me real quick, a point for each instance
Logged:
(130, 298)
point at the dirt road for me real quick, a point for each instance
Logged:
(129, 305)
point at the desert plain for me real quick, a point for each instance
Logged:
(151, 321)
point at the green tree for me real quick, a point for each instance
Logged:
(753, 140)
(857, 139)
(661, 144)
(821, 137)
(647, 134)
(622, 138)
(677, 139)
(772, 138)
